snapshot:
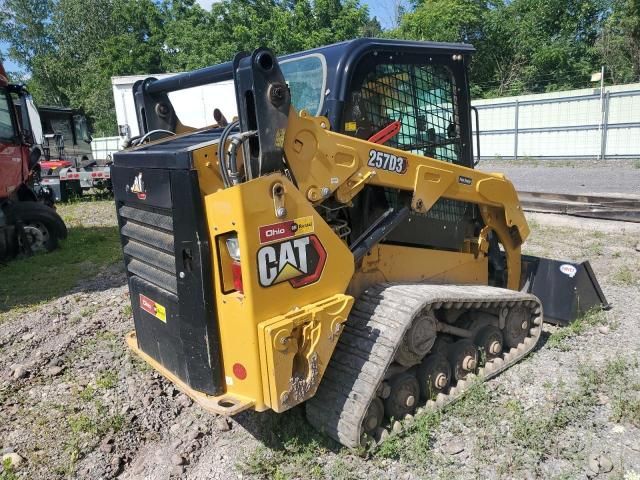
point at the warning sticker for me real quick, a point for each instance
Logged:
(350, 126)
(289, 229)
(153, 308)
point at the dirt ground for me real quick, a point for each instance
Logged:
(75, 403)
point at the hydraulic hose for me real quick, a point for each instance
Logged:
(222, 157)
(236, 141)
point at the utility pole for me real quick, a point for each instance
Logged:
(602, 115)
(594, 78)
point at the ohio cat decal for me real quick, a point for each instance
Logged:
(290, 228)
(299, 261)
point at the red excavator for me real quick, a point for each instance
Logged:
(28, 221)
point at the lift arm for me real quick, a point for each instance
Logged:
(326, 163)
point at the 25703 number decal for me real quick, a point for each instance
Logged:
(387, 161)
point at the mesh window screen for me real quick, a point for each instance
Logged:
(422, 98)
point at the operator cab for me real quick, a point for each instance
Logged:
(368, 85)
(363, 87)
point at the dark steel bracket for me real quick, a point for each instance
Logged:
(263, 105)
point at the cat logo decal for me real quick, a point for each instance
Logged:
(299, 261)
(138, 187)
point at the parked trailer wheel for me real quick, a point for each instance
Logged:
(70, 189)
(43, 227)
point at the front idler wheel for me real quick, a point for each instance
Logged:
(516, 328)
(434, 375)
(417, 341)
(463, 357)
(404, 396)
(373, 418)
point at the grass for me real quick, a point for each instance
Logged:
(86, 428)
(104, 340)
(616, 380)
(625, 407)
(107, 380)
(626, 410)
(624, 276)
(558, 339)
(29, 281)
(636, 163)
(291, 450)
(415, 441)
(75, 425)
(92, 244)
(8, 471)
(528, 435)
(595, 249)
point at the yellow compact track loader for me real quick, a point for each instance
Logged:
(333, 246)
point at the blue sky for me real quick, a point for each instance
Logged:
(383, 9)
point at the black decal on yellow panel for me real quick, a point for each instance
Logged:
(387, 161)
(299, 261)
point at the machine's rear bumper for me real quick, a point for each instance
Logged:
(225, 404)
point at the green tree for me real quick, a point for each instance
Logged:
(444, 21)
(619, 42)
(285, 26)
(25, 26)
(540, 45)
(73, 47)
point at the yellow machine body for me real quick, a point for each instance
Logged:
(275, 261)
(276, 342)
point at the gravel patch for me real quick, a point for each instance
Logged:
(575, 177)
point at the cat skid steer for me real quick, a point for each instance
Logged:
(334, 246)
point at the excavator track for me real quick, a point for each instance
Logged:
(365, 358)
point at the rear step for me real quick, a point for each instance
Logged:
(380, 319)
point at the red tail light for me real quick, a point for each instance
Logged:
(233, 247)
(236, 271)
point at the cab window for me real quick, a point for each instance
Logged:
(7, 130)
(59, 124)
(82, 131)
(306, 77)
(421, 97)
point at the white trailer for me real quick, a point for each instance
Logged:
(194, 106)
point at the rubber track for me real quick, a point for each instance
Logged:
(372, 334)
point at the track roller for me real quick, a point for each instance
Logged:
(404, 396)
(490, 340)
(463, 357)
(434, 375)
